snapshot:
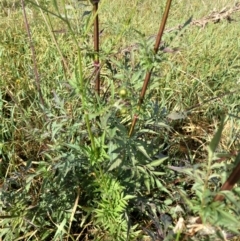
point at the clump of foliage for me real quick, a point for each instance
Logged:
(69, 169)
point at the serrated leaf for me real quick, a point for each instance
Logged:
(112, 151)
(230, 196)
(141, 169)
(143, 151)
(136, 76)
(216, 139)
(218, 165)
(158, 173)
(160, 186)
(73, 146)
(152, 180)
(226, 217)
(150, 168)
(4, 231)
(128, 197)
(29, 182)
(186, 170)
(147, 183)
(115, 164)
(157, 162)
(60, 229)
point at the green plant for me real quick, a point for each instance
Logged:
(69, 169)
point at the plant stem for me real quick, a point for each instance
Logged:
(149, 73)
(82, 88)
(96, 46)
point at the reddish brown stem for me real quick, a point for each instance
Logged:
(149, 73)
(133, 123)
(144, 88)
(231, 181)
(228, 185)
(162, 26)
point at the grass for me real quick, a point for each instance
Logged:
(69, 170)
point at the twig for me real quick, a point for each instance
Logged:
(96, 45)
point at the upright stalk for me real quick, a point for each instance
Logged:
(80, 77)
(82, 87)
(231, 181)
(149, 72)
(96, 45)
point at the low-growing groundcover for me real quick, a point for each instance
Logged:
(69, 169)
